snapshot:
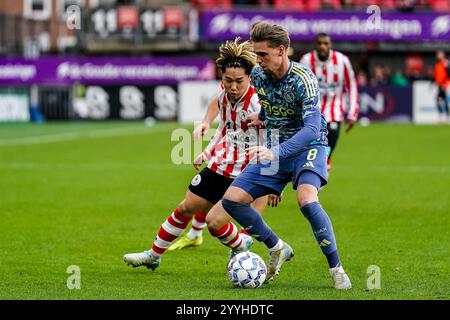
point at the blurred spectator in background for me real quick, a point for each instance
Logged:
(361, 78)
(380, 76)
(399, 80)
(441, 78)
(414, 66)
(406, 5)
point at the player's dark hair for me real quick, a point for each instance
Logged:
(236, 54)
(274, 34)
(322, 35)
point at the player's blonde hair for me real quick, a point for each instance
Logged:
(236, 54)
(274, 34)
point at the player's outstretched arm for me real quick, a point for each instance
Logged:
(198, 161)
(214, 143)
(211, 114)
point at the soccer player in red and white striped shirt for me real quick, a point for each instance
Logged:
(233, 162)
(227, 158)
(335, 75)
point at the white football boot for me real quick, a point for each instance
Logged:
(277, 258)
(341, 281)
(145, 258)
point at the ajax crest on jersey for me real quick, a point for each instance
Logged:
(196, 180)
(288, 95)
(246, 270)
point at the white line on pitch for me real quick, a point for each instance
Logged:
(100, 133)
(93, 166)
(169, 166)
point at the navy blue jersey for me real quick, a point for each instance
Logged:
(288, 102)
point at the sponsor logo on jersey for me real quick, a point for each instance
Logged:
(276, 110)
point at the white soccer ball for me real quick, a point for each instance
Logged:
(149, 121)
(364, 121)
(246, 270)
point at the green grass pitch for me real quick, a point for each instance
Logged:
(86, 193)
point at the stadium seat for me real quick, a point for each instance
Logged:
(354, 3)
(212, 4)
(289, 4)
(331, 4)
(440, 5)
(314, 5)
(387, 4)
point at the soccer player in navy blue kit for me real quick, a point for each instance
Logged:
(290, 97)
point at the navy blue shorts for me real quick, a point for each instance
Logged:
(271, 177)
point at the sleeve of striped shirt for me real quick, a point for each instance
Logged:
(352, 90)
(214, 141)
(218, 135)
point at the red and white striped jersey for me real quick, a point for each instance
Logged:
(227, 149)
(335, 76)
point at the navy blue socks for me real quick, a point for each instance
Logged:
(323, 231)
(251, 221)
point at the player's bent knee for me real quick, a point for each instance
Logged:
(304, 202)
(307, 199)
(213, 226)
(216, 218)
(307, 194)
(238, 195)
(185, 210)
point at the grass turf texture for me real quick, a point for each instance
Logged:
(86, 193)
